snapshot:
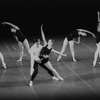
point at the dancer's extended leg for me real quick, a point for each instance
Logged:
(20, 44)
(26, 44)
(48, 64)
(71, 43)
(65, 43)
(96, 54)
(2, 60)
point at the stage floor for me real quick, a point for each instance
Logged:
(80, 78)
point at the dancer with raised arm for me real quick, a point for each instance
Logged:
(20, 38)
(41, 56)
(70, 38)
(97, 52)
(2, 60)
(35, 61)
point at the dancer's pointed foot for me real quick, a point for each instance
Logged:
(74, 60)
(55, 78)
(31, 84)
(19, 60)
(60, 78)
(94, 63)
(4, 65)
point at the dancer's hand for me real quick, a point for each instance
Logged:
(65, 55)
(97, 12)
(3, 23)
(41, 26)
(45, 56)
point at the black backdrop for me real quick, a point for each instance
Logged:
(58, 16)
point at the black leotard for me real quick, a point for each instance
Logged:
(98, 34)
(44, 52)
(19, 35)
(72, 35)
(97, 37)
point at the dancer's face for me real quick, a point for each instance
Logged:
(50, 42)
(82, 33)
(38, 42)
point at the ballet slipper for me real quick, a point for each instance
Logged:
(55, 78)
(94, 63)
(31, 84)
(4, 65)
(74, 60)
(60, 78)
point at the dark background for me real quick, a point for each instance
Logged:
(58, 16)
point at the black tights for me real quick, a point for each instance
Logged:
(36, 70)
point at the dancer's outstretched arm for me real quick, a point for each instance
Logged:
(16, 27)
(98, 16)
(43, 36)
(58, 52)
(83, 30)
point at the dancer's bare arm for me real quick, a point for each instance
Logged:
(16, 27)
(58, 52)
(78, 42)
(98, 16)
(83, 30)
(43, 36)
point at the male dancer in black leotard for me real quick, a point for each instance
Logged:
(42, 58)
(21, 39)
(70, 38)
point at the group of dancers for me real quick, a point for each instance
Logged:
(39, 54)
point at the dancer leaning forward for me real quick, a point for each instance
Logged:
(20, 38)
(70, 38)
